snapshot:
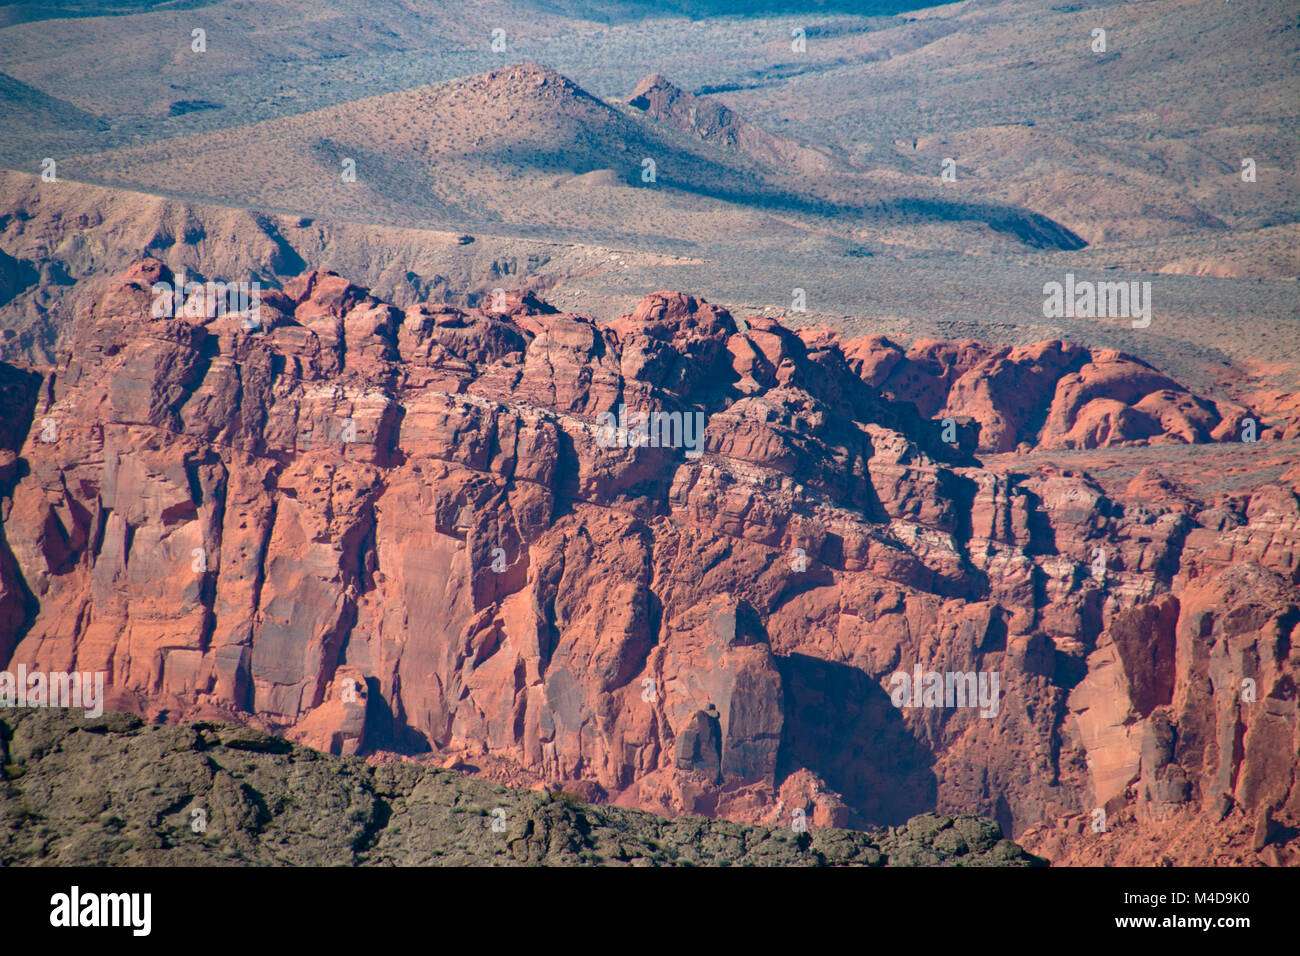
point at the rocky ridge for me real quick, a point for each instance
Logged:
(382, 530)
(77, 791)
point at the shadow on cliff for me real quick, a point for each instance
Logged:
(19, 391)
(841, 725)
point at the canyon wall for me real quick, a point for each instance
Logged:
(417, 531)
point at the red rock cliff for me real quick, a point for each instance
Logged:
(385, 531)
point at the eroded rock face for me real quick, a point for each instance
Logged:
(374, 530)
(1049, 395)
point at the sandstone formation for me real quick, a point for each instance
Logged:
(414, 531)
(1050, 394)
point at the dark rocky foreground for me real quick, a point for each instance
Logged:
(113, 790)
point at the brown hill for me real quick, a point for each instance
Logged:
(1137, 150)
(525, 147)
(711, 121)
(82, 235)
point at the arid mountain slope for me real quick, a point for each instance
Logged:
(714, 123)
(527, 148)
(1136, 146)
(66, 239)
(427, 507)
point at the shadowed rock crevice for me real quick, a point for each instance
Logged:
(842, 725)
